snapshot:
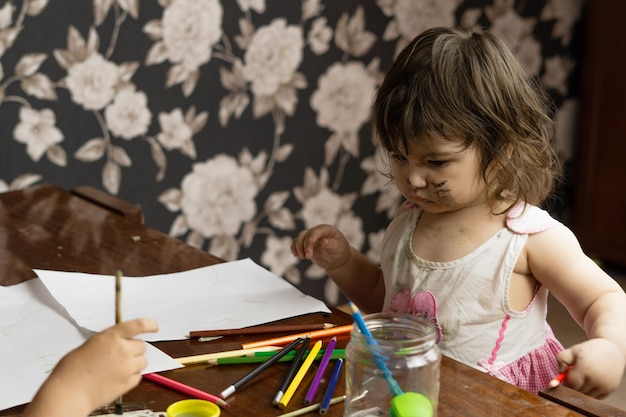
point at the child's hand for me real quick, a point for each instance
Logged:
(106, 366)
(597, 367)
(324, 245)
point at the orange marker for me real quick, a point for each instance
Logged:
(314, 335)
(558, 380)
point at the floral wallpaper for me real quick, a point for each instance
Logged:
(236, 123)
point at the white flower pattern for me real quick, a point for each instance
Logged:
(344, 97)
(190, 28)
(128, 116)
(273, 56)
(175, 131)
(218, 196)
(235, 124)
(92, 82)
(38, 131)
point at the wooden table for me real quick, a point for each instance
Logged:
(88, 231)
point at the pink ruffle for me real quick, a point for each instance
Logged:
(535, 370)
(533, 221)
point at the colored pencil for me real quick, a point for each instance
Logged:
(308, 409)
(208, 339)
(118, 320)
(187, 360)
(285, 328)
(336, 354)
(185, 389)
(310, 395)
(300, 375)
(558, 380)
(248, 377)
(331, 386)
(295, 365)
(320, 353)
(314, 335)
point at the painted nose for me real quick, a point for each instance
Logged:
(416, 178)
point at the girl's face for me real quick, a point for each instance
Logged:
(439, 175)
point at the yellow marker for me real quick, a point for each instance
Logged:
(291, 389)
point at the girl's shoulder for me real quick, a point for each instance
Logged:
(527, 219)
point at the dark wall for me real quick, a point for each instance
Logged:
(234, 124)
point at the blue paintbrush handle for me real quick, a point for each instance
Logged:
(378, 358)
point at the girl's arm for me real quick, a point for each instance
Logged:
(361, 281)
(593, 299)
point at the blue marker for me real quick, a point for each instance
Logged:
(331, 386)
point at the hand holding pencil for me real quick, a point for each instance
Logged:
(597, 367)
(107, 365)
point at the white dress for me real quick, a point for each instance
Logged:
(467, 300)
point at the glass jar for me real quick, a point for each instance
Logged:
(406, 346)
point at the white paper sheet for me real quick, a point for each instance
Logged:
(223, 296)
(35, 332)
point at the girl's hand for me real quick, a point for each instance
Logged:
(324, 245)
(597, 367)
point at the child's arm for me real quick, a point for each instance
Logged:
(357, 277)
(106, 366)
(594, 300)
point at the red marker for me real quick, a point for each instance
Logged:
(558, 380)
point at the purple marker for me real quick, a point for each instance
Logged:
(310, 395)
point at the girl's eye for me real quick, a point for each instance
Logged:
(398, 158)
(437, 163)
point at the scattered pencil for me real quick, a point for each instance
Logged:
(118, 320)
(188, 360)
(558, 380)
(310, 395)
(291, 372)
(337, 331)
(209, 338)
(185, 389)
(297, 379)
(313, 407)
(248, 377)
(332, 383)
(284, 328)
(263, 356)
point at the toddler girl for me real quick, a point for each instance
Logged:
(468, 139)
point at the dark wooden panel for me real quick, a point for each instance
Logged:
(599, 211)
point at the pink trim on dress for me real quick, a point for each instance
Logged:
(534, 221)
(533, 371)
(496, 349)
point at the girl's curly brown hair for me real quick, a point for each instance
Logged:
(469, 86)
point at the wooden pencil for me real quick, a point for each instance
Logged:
(314, 335)
(203, 358)
(270, 328)
(118, 320)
